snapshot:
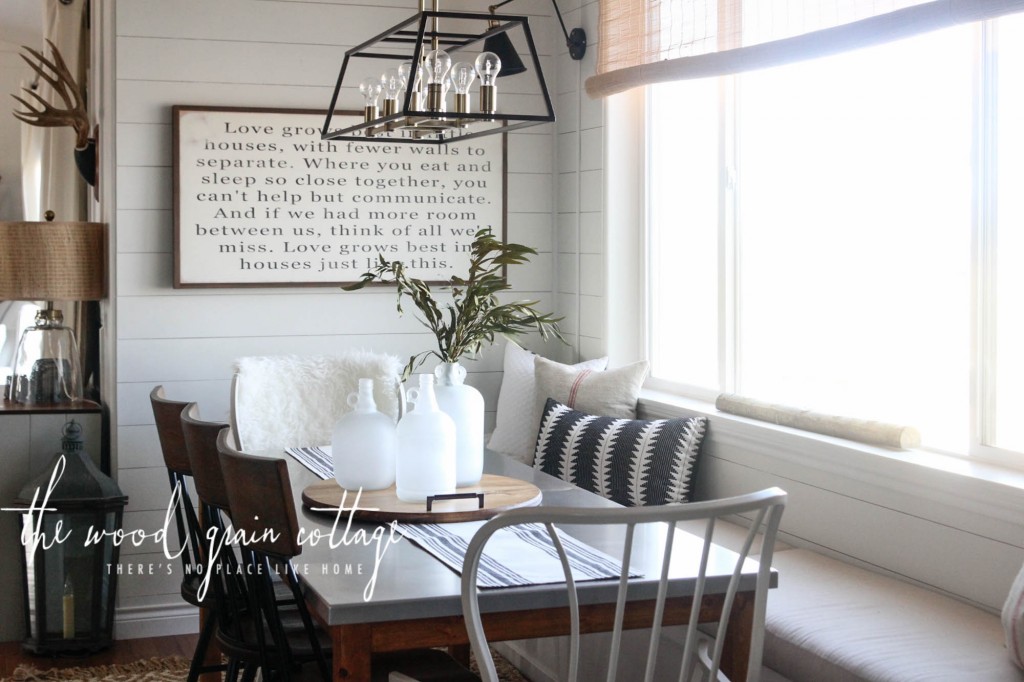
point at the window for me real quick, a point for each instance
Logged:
(846, 234)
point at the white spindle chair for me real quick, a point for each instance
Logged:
(701, 653)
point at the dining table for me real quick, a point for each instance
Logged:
(375, 591)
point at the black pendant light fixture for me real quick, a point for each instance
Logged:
(423, 58)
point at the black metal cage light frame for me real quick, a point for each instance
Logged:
(412, 124)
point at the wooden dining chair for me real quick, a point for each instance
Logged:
(245, 635)
(702, 649)
(167, 414)
(261, 499)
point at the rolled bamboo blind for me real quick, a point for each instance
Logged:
(641, 43)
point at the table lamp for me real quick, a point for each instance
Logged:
(50, 261)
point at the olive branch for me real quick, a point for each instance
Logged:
(476, 315)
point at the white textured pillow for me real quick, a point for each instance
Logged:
(612, 393)
(515, 429)
(1013, 620)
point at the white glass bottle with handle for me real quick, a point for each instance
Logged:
(364, 444)
(426, 447)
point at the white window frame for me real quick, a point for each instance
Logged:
(633, 107)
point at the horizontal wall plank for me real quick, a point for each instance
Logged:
(145, 231)
(227, 316)
(304, 23)
(148, 574)
(151, 101)
(150, 523)
(147, 489)
(155, 360)
(138, 446)
(211, 395)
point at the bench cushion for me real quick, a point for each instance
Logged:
(833, 621)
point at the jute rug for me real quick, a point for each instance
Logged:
(171, 669)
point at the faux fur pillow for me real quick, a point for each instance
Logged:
(284, 401)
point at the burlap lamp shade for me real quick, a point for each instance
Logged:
(53, 261)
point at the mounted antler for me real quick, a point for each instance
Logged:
(41, 112)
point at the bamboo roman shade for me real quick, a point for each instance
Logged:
(653, 41)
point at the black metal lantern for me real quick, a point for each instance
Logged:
(69, 551)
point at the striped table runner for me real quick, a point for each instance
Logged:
(514, 556)
(316, 459)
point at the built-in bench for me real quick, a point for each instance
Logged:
(889, 570)
(834, 622)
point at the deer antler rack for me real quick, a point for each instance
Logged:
(39, 112)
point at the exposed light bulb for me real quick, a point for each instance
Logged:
(487, 66)
(390, 85)
(462, 76)
(404, 69)
(370, 88)
(436, 64)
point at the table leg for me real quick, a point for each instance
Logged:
(460, 652)
(736, 650)
(351, 646)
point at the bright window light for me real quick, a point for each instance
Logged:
(816, 236)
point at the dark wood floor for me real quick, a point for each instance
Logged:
(122, 651)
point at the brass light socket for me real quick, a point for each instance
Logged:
(435, 97)
(488, 99)
(390, 106)
(370, 113)
(462, 102)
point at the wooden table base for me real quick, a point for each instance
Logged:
(354, 644)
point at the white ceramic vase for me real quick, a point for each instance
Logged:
(364, 444)
(426, 447)
(465, 406)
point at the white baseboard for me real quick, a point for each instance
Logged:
(155, 621)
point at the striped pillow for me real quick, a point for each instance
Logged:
(634, 462)
(1013, 620)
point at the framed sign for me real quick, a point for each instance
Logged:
(261, 200)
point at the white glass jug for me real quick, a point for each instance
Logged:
(364, 444)
(426, 447)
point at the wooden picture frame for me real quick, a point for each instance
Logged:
(261, 201)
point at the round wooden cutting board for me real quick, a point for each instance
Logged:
(500, 493)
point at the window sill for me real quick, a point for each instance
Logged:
(923, 483)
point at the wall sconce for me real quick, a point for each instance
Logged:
(501, 45)
(51, 261)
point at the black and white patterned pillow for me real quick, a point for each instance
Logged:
(634, 462)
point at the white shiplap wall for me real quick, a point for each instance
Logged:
(259, 53)
(579, 203)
